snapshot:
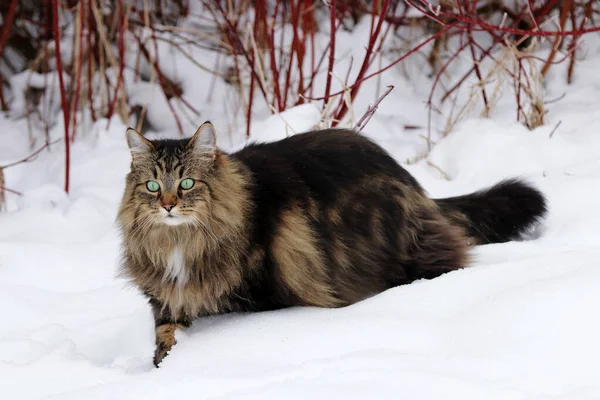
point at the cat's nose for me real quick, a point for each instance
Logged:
(168, 207)
(168, 201)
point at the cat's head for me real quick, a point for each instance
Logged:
(169, 182)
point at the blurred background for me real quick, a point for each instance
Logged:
(165, 66)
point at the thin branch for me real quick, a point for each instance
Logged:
(332, 36)
(364, 120)
(63, 95)
(7, 25)
(29, 157)
(5, 189)
(554, 130)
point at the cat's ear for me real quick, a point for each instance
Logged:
(137, 143)
(205, 140)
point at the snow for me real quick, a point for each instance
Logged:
(519, 324)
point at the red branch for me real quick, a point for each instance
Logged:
(4, 34)
(8, 24)
(90, 71)
(368, 57)
(404, 56)
(236, 36)
(295, 16)
(476, 66)
(273, 60)
(161, 78)
(121, 49)
(333, 31)
(63, 97)
(79, 67)
(484, 26)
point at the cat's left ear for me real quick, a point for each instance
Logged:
(137, 143)
(205, 140)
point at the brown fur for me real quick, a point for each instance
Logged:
(165, 340)
(322, 219)
(165, 334)
(213, 251)
(301, 264)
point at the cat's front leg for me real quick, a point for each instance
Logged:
(165, 340)
(165, 326)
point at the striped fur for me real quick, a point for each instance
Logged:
(324, 218)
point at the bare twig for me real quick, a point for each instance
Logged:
(5, 189)
(30, 157)
(554, 130)
(364, 120)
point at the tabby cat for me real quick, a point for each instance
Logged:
(325, 218)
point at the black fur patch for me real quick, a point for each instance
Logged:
(499, 214)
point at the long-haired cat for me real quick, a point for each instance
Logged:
(325, 218)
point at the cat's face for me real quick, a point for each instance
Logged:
(169, 179)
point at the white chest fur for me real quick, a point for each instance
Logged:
(175, 268)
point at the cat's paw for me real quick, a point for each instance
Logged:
(160, 353)
(165, 340)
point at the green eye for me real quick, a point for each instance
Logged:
(152, 186)
(187, 184)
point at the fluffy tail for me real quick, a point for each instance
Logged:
(499, 214)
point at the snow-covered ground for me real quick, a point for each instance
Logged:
(521, 323)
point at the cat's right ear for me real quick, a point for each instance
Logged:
(137, 143)
(204, 140)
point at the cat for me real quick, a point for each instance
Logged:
(325, 218)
